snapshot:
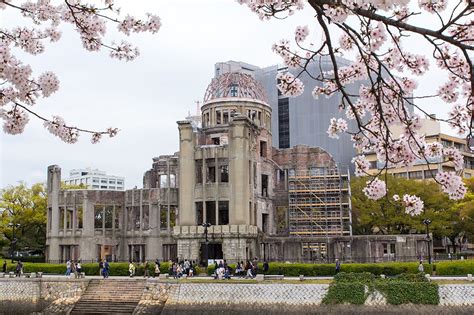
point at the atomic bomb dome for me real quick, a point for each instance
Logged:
(234, 84)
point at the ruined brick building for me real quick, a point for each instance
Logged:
(276, 204)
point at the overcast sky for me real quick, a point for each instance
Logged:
(145, 97)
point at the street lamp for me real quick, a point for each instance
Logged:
(206, 226)
(14, 240)
(427, 223)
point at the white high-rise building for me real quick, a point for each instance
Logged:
(95, 179)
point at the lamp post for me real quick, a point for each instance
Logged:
(14, 240)
(427, 223)
(206, 226)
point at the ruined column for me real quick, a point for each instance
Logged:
(53, 188)
(239, 171)
(186, 173)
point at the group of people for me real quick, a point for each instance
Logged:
(248, 270)
(132, 268)
(182, 268)
(73, 267)
(176, 269)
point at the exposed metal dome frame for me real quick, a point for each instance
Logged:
(235, 84)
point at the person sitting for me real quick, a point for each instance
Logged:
(227, 273)
(179, 271)
(249, 268)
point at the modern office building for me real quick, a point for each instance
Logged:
(95, 179)
(302, 119)
(431, 129)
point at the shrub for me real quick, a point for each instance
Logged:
(363, 277)
(411, 277)
(354, 288)
(287, 269)
(116, 269)
(345, 292)
(455, 268)
(403, 292)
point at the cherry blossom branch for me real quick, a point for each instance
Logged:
(20, 89)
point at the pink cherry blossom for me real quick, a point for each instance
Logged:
(289, 85)
(375, 189)
(20, 88)
(96, 138)
(413, 205)
(301, 33)
(336, 126)
(451, 184)
(361, 165)
(48, 83)
(15, 120)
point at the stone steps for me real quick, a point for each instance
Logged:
(110, 297)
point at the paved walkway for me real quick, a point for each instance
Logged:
(452, 278)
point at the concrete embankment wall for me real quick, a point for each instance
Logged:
(22, 296)
(58, 295)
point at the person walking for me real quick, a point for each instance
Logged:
(106, 269)
(421, 268)
(338, 266)
(68, 268)
(265, 267)
(101, 267)
(4, 267)
(74, 269)
(19, 269)
(131, 269)
(79, 267)
(146, 272)
(157, 270)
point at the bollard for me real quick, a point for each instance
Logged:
(259, 277)
(428, 276)
(301, 277)
(469, 277)
(382, 276)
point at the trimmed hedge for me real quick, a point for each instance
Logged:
(455, 268)
(316, 270)
(404, 292)
(451, 268)
(406, 288)
(345, 292)
(116, 269)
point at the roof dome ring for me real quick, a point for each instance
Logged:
(235, 84)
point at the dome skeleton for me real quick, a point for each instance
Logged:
(234, 84)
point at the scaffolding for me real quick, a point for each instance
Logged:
(319, 205)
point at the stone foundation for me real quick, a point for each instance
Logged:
(58, 295)
(52, 296)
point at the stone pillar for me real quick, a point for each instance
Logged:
(88, 244)
(53, 188)
(239, 171)
(186, 173)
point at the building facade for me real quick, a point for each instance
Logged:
(431, 129)
(227, 194)
(95, 179)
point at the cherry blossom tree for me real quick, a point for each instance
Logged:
(375, 32)
(20, 90)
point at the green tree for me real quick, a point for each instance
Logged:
(26, 208)
(72, 186)
(388, 217)
(465, 208)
